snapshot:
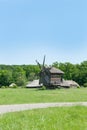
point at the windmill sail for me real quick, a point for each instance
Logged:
(38, 64)
(44, 61)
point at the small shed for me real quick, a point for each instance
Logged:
(69, 84)
(33, 84)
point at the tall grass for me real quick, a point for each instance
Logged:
(63, 118)
(19, 96)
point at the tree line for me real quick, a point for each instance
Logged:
(21, 74)
(18, 74)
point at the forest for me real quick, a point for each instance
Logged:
(21, 74)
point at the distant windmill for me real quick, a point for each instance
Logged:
(49, 76)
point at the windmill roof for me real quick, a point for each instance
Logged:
(55, 70)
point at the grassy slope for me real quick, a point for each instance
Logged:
(15, 96)
(64, 118)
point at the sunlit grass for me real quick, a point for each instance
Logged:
(62, 118)
(19, 96)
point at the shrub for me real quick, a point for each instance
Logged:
(43, 88)
(85, 85)
(78, 86)
(4, 86)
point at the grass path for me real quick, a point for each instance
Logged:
(21, 107)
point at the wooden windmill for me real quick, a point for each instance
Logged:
(49, 76)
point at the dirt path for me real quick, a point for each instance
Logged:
(21, 107)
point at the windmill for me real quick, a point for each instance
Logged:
(49, 76)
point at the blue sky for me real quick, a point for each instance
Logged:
(31, 28)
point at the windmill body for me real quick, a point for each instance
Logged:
(50, 76)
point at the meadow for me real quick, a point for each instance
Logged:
(57, 118)
(62, 118)
(23, 95)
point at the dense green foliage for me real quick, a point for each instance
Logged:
(76, 72)
(20, 74)
(59, 118)
(23, 95)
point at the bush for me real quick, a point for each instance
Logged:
(4, 86)
(43, 88)
(85, 85)
(78, 86)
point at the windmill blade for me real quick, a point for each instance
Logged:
(38, 64)
(44, 61)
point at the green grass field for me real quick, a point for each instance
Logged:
(23, 95)
(62, 118)
(58, 118)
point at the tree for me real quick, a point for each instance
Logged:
(5, 77)
(31, 71)
(19, 76)
(67, 67)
